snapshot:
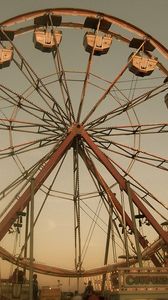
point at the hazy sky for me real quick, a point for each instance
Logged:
(149, 15)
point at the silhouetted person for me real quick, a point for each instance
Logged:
(35, 287)
(20, 276)
(14, 277)
(88, 290)
(17, 276)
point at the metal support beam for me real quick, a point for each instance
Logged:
(122, 183)
(31, 240)
(134, 226)
(107, 248)
(112, 199)
(76, 199)
(125, 229)
(26, 235)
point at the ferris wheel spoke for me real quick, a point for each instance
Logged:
(46, 96)
(61, 76)
(26, 174)
(45, 127)
(133, 153)
(63, 85)
(84, 86)
(104, 95)
(13, 127)
(48, 99)
(37, 83)
(28, 128)
(27, 146)
(90, 60)
(21, 103)
(147, 96)
(129, 130)
(112, 84)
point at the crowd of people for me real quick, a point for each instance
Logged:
(19, 278)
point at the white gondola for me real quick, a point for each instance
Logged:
(101, 44)
(142, 65)
(47, 41)
(6, 56)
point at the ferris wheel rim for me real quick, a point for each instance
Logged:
(83, 12)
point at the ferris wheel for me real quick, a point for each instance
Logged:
(83, 151)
